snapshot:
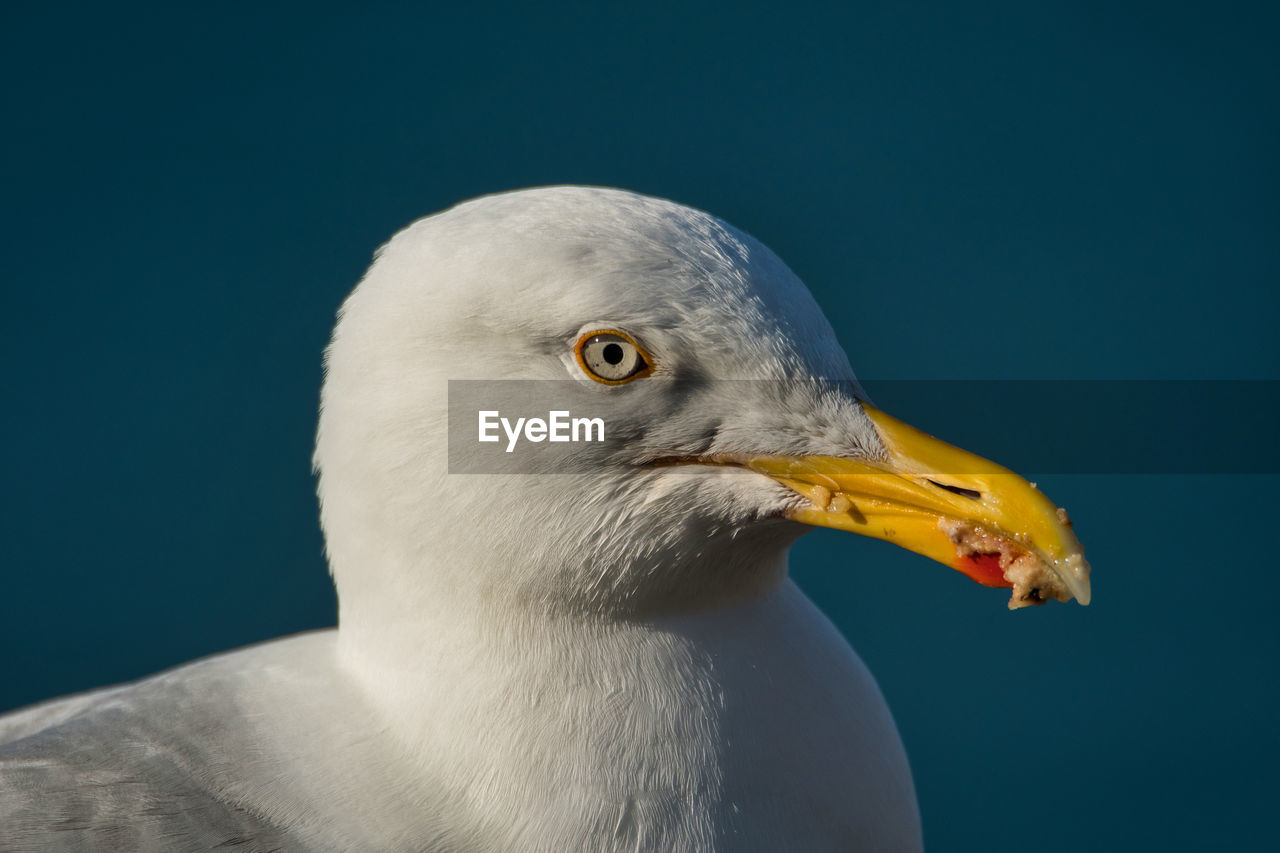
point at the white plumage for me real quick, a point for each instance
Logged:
(612, 659)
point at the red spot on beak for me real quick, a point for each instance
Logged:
(983, 568)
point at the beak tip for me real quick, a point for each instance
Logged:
(1082, 589)
(1075, 571)
(1036, 578)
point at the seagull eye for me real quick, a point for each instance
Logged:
(611, 357)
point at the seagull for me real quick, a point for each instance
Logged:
(547, 644)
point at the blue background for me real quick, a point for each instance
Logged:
(1007, 191)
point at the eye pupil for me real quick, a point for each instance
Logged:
(613, 353)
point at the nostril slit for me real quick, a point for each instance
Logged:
(957, 490)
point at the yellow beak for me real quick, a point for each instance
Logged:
(947, 504)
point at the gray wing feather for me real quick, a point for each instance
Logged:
(107, 780)
(267, 748)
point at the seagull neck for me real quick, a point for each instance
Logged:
(569, 703)
(407, 662)
(426, 635)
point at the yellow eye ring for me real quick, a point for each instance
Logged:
(612, 357)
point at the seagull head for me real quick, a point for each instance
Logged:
(732, 424)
